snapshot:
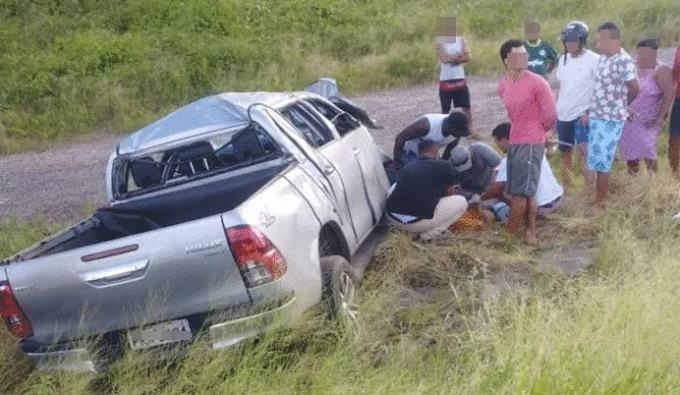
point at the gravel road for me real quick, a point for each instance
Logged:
(58, 182)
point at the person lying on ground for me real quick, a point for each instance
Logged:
(474, 166)
(444, 129)
(549, 193)
(417, 202)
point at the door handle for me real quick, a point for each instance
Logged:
(356, 150)
(116, 274)
(328, 170)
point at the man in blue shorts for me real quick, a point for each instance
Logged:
(616, 85)
(576, 77)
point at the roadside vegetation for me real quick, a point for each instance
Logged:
(472, 314)
(71, 68)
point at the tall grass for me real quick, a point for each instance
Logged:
(70, 67)
(473, 314)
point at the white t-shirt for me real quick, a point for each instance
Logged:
(449, 71)
(577, 83)
(548, 187)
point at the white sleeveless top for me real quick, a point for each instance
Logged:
(449, 71)
(434, 134)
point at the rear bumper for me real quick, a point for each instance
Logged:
(75, 358)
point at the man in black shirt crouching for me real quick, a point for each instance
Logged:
(418, 202)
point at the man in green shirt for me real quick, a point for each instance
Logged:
(543, 56)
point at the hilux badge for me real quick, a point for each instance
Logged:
(203, 246)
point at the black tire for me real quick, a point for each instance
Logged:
(339, 288)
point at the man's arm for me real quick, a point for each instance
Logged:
(552, 56)
(664, 78)
(417, 129)
(463, 57)
(449, 148)
(495, 191)
(546, 101)
(630, 77)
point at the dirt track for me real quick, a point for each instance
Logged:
(57, 183)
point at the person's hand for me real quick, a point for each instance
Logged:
(475, 199)
(394, 166)
(585, 119)
(630, 113)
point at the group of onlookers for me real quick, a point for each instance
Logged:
(607, 105)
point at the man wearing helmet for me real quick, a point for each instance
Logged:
(576, 77)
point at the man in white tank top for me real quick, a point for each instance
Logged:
(453, 52)
(444, 129)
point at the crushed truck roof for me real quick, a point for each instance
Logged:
(215, 112)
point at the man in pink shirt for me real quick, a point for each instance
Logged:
(530, 104)
(674, 128)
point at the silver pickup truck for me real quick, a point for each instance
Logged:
(234, 213)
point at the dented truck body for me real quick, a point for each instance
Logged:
(219, 220)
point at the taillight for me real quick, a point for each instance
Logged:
(16, 321)
(259, 261)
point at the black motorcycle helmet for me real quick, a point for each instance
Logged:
(574, 29)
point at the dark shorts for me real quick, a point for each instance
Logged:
(524, 169)
(459, 96)
(674, 127)
(571, 132)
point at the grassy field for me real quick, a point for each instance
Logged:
(71, 67)
(473, 314)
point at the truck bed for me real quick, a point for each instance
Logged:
(216, 195)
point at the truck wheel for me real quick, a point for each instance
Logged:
(339, 286)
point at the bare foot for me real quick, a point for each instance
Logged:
(596, 210)
(530, 239)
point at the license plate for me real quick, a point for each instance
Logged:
(159, 334)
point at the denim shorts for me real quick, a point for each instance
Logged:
(571, 132)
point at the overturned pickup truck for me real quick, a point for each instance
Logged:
(235, 212)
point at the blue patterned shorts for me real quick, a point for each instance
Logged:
(602, 142)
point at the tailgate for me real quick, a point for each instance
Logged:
(159, 275)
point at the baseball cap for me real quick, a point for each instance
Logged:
(460, 158)
(459, 122)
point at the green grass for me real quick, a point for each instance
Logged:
(72, 67)
(437, 319)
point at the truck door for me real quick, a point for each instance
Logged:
(363, 149)
(324, 174)
(344, 170)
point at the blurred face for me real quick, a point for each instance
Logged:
(573, 47)
(608, 42)
(502, 144)
(532, 31)
(446, 29)
(517, 59)
(646, 57)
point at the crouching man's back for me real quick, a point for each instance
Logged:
(418, 201)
